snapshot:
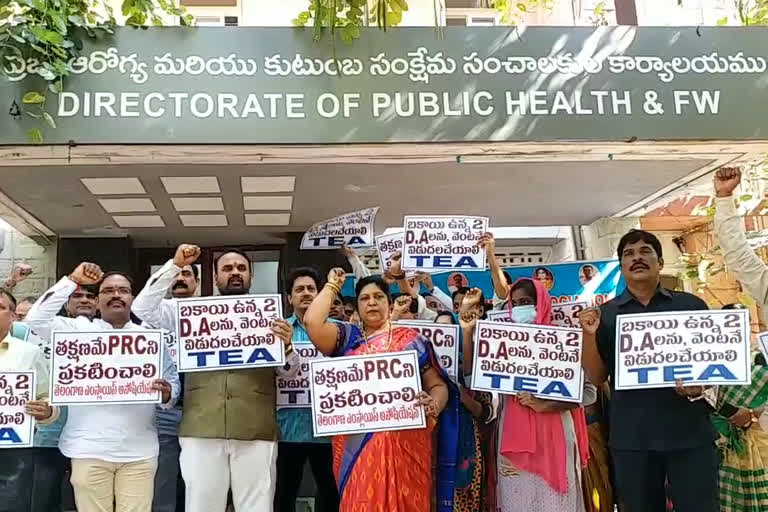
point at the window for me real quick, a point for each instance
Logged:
(230, 21)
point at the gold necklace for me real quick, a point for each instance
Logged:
(368, 346)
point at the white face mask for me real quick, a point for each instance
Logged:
(524, 314)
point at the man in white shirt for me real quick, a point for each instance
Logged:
(167, 479)
(228, 432)
(19, 466)
(113, 447)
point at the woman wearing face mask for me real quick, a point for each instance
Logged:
(541, 445)
(389, 471)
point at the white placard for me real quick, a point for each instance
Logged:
(354, 229)
(171, 344)
(499, 315)
(296, 392)
(540, 359)
(369, 393)
(567, 314)
(433, 243)
(106, 367)
(17, 428)
(653, 350)
(228, 332)
(445, 340)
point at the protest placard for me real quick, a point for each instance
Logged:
(354, 229)
(762, 339)
(232, 332)
(296, 391)
(445, 340)
(653, 350)
(106, 367)
(17, 428)
(441, 242)
(387, 246)
(540, 359)
(499, 315)
(370, 393)
(567, 314)
(171, 344)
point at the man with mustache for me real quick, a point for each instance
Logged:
(113, 448)
(297, 444)
(83, 302)
(655, 434)
(168, 482)
(228, 431)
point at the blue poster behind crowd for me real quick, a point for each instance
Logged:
(593, 281)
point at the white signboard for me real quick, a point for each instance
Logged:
(171, 344)
(370, 393)
(540, 359)
(296, 391)
(433, 243)
(106, 367)
(17, 428)
(653, 350)
(354, 229)
(567, 314)
(499, 315)
(228, 332)
(445, 340)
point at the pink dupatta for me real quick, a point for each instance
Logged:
(535, 442)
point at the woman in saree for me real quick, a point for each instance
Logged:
(387, 471)
(742, 443)
(541, 445)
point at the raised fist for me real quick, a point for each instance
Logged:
(337, 276)
(726, 181)
(186, 254)
(87, 273)
(590, 320)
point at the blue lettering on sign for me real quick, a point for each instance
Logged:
(679, 371)
(260, 354)
(525, 384)
(335, 241)
(356, 240)
(466, 261)
(642, 373)
(715, 371)
(231, 356)
(441, 261)
(556, 387)
(496, 379)
(202, 357)
(9, 434)
(674, 372)
(420, 260)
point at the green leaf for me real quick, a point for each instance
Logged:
(48, 118)
(745, 197)
(522, 7)
(723, 21)
(59, 23)
(33, 98)
(35, 136)
(76, 20)
(54, 88)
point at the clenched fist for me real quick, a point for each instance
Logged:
(336, 277)
(726, 181)
(86, 273)
(186, 254)
(590, 320)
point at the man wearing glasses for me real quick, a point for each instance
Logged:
(113, 448)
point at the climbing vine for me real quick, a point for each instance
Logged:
(45, 37)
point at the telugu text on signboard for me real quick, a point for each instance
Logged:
(231, 332)
(445, 341)
(17, 428)
(106, 367)
(354, 229)
(295, 391)
(370, 393)
(540, 359)
(653, 350)
(442, 242)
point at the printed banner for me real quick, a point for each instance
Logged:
(232, 332)
(540, 359)
(440, 242)
(370, 393)
(106, 367)
(296, 391)
(593, 282)
(445, 340)
(698, 347)
(17, 428)
(354, 229)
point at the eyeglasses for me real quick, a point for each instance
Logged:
(111, 291)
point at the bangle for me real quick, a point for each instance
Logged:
(289, 349)
(336, 288)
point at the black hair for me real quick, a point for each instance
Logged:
(376, 280)
(545, 270)
(229, 251)
(195, 271)
(346, 299)
(507, 277)
(527, 286)
(298, 272)
(116, 273)
(11, 299)
(448, 314)
(89, 288)
(463, 289)
(638, 235)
